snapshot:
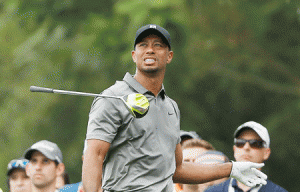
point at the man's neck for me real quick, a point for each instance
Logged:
(49, 188)
(151, 82)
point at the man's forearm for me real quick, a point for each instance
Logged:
(92, 174)
(192, 173)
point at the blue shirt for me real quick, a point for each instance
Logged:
(270, 187)
(70, 187)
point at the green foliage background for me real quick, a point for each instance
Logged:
(234, 61)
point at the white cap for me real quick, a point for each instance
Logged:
(258, 128)
(47, 148)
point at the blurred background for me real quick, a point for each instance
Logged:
(234, 61)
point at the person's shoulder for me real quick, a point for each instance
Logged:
(219, 187)
(274, 187)
(170, 98)
(70, 187)
(120, 88)
(172, 101)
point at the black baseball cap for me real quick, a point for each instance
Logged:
(155, 29)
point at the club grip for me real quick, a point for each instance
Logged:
(41, 89)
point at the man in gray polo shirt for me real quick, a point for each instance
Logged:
(144, 154)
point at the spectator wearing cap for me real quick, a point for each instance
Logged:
(251, 144)
(186, 135)
(45, 165)
(192, 148)
(18, 181)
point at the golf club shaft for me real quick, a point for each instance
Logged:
(50, 90)
(133, 106)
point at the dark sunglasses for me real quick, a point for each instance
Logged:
(256, 144)
(20, 163)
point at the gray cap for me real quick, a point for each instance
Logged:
(47, 148)
(189, 134)
(258, 128)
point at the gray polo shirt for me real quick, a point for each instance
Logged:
(142, 151)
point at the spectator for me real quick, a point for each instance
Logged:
(62, 180)
(17, 179)
(208, 158)
(195, 147)
(251, 144)
(45, 165)
(186, 135)
(191, 149)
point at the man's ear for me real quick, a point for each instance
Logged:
(170, 57)
(133, 56)
(234, 148)
(60, 169)
(267, 153)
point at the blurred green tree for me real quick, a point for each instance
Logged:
(234, 61)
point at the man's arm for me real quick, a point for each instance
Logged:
(192, 173)
(93, 164)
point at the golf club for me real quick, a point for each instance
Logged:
(136, 103)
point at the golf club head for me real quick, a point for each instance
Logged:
(137, 104)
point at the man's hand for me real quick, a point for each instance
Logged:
(247, 173)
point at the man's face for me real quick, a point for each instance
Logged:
(42, 171)
(248, 153)
(202, 187)
(19, 181)
(151, 55)
(190, 154)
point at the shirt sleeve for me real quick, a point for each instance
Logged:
(105, 118)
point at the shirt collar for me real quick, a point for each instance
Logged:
(162, 92)
(128, 78)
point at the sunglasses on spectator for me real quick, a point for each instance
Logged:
(255, 144)
(20, 163)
